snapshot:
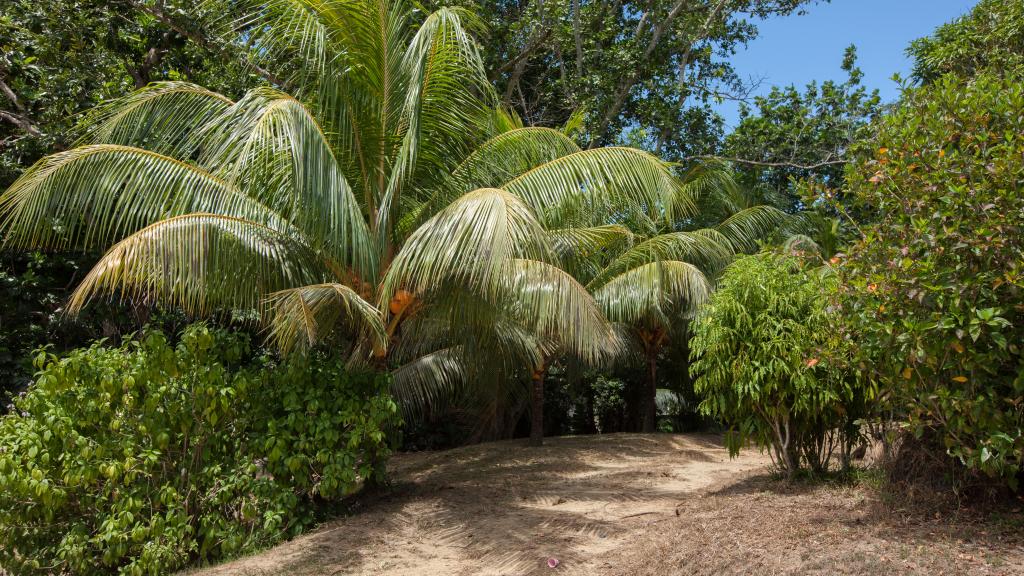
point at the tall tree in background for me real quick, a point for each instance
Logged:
(990, 37)
(59, 58)
(650, 68)
(791, 135)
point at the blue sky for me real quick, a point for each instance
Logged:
(798, 49)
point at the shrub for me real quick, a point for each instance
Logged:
(768, 362)
(935, 286)
(142, 458)
(990, 37)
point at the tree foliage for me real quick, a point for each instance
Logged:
(791, 136)
(646, 68)
(769, 362)
(990, 37)
(143, 458)
(936, 283)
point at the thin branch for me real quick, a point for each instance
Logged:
(21, 122)
(767, 164)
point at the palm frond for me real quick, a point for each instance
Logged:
(584, 251)
(626, 178)
(202, 262)
(431, 380)
(448, 103)
(303, 317)
(747, 227)
(271, 146)
(92, 196)
(159, 117)
(551, 304)
(494, 163)
(700, 250)
(656, 292)
(468, 244)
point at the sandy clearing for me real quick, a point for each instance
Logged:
(504, 508)
(633, 504)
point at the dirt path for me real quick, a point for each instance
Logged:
(504, 508)
(632, 504)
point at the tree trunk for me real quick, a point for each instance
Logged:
(537, 408)
(651, 396)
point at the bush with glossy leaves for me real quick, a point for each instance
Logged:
(144, 458)
(936, 287)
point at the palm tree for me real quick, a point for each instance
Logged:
(650, 277)
(388, 197)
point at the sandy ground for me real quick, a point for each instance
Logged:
(627, 504)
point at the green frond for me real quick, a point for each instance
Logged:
(746, 228)
(654, 293)
(555, 307)
(93, 196)
(584, 251)
(626, 178)
(712, 182)
(468, 244)
(432, 380)
(160, 117)
(202, 262)
(448, 103)
(278, 31)
(304, 316)
(493, 163)
(271, 146)
(700, 250)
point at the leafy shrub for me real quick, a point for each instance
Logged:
(990, 37)
(768, 362)
(935, 287)
(140, 459)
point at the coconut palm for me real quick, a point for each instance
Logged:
(387, 201)
(649, 277)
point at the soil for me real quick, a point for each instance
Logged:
(630, 504)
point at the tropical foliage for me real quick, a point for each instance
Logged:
(143, 458)
(990, 37)
(936, 284)
(770, 362)
(396, 199)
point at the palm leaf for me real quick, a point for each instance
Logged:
(202, 262)
(270, 145)
(656, 292)
(494, 163)
(751, 225)
(159, 117)
(555, 307)
(599, 179)
(468, 244)
(92, 196)
(302, 317)
(699, 249)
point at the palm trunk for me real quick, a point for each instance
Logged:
(537, 408)
(650, 420)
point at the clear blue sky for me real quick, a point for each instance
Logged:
(798, 49)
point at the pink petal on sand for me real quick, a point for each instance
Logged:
(552, 562)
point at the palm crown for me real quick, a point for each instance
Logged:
(390, 195)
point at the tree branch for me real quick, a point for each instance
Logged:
(204, 42)
(21, 122)
(821, 164)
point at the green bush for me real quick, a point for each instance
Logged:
(990, 37)
(769, 362)
(935, 287)
(144, 458)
